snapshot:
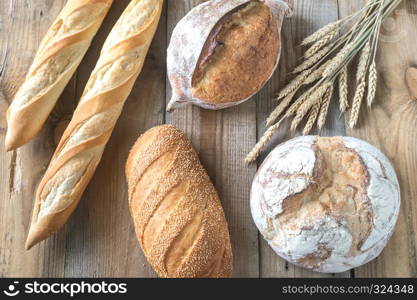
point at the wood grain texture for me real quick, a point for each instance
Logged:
(391, 126)
(99, 239)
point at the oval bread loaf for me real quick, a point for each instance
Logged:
(58, 56)
(222, 52)
(178, 217)
(326, 204)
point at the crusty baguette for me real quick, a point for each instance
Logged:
(177, 213)
(85, 138)
(58, 56)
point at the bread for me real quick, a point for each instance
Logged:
(59, 55)
(82, 144)
(177, 213)
(223, 52)
(326, 204)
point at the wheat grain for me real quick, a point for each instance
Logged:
(312, 117)
(320, 43)
(343, 89)
(294, 85)
(338, 61)
(260, 146)
(324, 109)
(320, 33)
(356, 104)
(373, 80)
(308, 63)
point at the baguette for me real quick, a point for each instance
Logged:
(177, 213)
(58, 56)
(82, 144)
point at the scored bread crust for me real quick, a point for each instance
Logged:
(58, 56)
(188, 42)
(178, 217)
(82, 144)
(326, 204)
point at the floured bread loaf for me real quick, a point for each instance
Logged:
(326, 204)
(223, 52)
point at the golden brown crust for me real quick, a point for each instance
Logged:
(178, 217)
(57, 59)
(239, 55)
(82, 144)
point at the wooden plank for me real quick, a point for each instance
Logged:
(22, 169)
(391, 126)
(309, 16)
(222, 139)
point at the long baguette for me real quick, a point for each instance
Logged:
(179, 220)
(58, 56)
(85, 138)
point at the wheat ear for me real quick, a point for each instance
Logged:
(314, 98)
(361, 84)
(260, 146)
(316, 75)
(312, 117)
(343, 89)
(308, 63)
(356, 104)
(324, 109)
(280, 109)
(294, 85)
(320, 43)
(373, 80)
(320, 33)
(338, 61)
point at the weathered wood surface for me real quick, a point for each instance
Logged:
(99, 238)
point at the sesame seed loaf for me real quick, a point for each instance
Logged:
(178, 217)
(58, 56)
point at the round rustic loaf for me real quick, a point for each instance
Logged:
(223, 52)
(326, 204)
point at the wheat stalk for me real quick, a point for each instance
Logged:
(325, 63)
(324, 109)
(343, 89)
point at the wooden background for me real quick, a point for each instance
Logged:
(99, 238)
